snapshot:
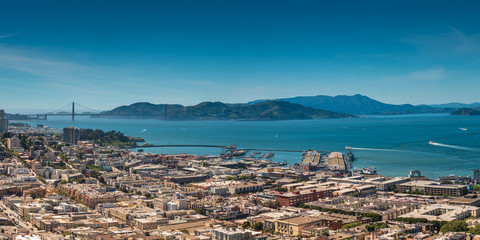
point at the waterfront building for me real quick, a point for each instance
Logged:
(432, 187)
(380, 183)
(3, 122)
(71, 135)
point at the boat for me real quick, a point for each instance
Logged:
(431, 142)
(238, 152)
(348, 147)
(463, 129)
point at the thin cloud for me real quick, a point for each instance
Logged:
(452, 43)
(8, 35)
(428, 74)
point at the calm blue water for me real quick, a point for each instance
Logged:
(393, 145)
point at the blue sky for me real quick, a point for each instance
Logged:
(103, 54)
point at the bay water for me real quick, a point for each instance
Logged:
(394, 145)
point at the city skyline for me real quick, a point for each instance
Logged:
(108, 54)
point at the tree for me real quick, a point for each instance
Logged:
(147, 195)
(101, 179)
(376, 226)
(475, 230)
(270, 204)
(257, 226)
(351, 225)
(281, 189)
(455, 226)
(200, 211)
(245, 225)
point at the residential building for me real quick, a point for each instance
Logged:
(443, 212)
(293, 226)
(296, 197)
(231, 234)
(13, 143)
(71, 135)
(476, 176)
(434, 188)
(3, 122)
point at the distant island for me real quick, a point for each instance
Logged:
(466, 112)
(266, 110)
(361, 105)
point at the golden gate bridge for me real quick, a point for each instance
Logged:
(65, 111)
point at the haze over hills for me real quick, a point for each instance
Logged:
(360, 105)
(266, 110)
(456, 105)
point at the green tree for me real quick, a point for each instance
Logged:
(475, 230)
(376, 226)
(455, 226)
(200, 211)
(245, 225)
(257, 226)
(351, 225)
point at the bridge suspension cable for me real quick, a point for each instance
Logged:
(62, 108)
(87, 108)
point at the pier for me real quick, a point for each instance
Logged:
(231, 147)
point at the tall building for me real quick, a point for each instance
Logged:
(13, 143)
(71, 135)
(3, 122)
(476, 176)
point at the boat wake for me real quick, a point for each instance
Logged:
(454, 147)
(374, 149)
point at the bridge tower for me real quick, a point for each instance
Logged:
(73, 111)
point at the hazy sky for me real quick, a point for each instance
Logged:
(102, 54)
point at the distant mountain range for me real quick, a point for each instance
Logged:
(303, 107)
(361, 105)
(307, 107)
(265, 110)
